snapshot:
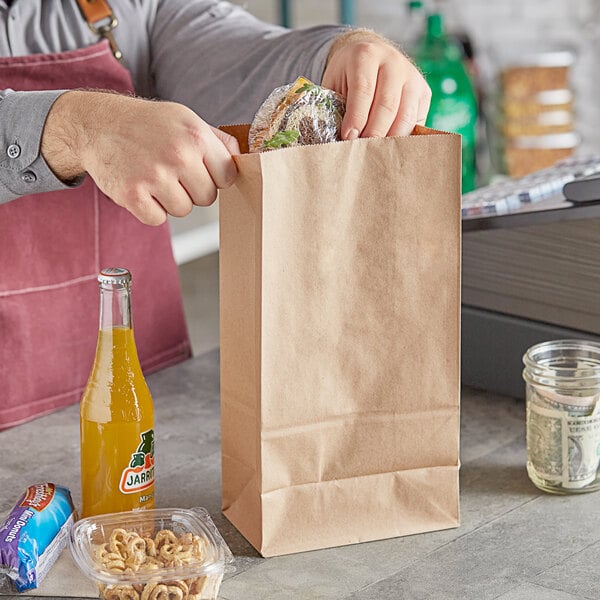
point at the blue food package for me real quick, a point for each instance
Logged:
(35, 533)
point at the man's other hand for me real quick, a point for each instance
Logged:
(385, 93)
(152, 158)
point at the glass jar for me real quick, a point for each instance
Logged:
(563, 415)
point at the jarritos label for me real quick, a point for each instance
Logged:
(139, 475)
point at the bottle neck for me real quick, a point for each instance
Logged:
(116, 354)
(115, 306)
(435, 27)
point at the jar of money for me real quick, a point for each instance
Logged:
(563, 415)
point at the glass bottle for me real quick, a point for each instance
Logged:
(116, 413)
(453, 101)
(563, 415)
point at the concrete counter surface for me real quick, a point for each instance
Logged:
(514, 542)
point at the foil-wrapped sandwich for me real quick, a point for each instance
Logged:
(297, 114)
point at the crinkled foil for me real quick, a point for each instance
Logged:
(297, 114)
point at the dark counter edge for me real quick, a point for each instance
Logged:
(589, 210)
(493, 345)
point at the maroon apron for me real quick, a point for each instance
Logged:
(52, 247)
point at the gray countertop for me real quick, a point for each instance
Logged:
(514, 542)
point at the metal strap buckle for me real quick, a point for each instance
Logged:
(105, 31)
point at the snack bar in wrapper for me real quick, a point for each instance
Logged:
(35, 533)
(298, 114)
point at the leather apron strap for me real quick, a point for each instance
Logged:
(95, 10)
(101, 20)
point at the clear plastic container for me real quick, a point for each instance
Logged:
(162, 553)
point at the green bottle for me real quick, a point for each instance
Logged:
(453, 101)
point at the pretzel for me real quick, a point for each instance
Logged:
(136, 545)
(175, 593)
(100, 553)
(128, 552)
(196, 586)
(164, 536)
(120, 592)
(182, 585)
(136, 550)
(115, 564)
(117, 540)
(176, 554)
(155, 591)
(150, 564)
(198, 545)
(162, 591)
(150, 546)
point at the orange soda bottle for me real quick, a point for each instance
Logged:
(116, 413)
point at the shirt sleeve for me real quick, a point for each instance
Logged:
(23, 169)
(222, 62)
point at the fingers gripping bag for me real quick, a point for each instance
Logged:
(298, 114)
(35, 533)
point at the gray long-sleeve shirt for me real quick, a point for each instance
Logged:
(209, 55)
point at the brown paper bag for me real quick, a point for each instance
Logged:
(340, 302)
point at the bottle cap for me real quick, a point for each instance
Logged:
(114, 275)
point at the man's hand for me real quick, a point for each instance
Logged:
(385, 93)
(152, 158)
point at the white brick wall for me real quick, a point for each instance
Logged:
(492, 24)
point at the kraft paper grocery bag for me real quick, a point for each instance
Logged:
(340, 303)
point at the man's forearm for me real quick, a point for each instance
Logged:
(62, 133)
